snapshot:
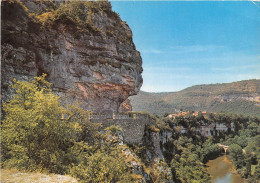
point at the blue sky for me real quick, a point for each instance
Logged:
(187, 43)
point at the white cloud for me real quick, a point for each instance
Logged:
(162, 88)
(184, 49)
(152, 51)
(163, 69)
(149, 88)
(196, 48)
(237, 68)
(220, 60)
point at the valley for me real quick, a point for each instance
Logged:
(242, 97)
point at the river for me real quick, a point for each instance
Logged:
(221, 171)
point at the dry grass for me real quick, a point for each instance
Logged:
(15, 176)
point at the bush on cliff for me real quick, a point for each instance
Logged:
(34, 132)
(78, 13)
(105, 165)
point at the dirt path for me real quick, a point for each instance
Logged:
(14, 176)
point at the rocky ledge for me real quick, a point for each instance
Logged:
(85, 49)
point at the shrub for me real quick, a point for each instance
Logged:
(34, 135)
(102, 166)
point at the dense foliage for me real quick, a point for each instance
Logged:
(187, 151)
(38, 134)
(244, 149)
(33, 134)
(105, 164)
(186, 164)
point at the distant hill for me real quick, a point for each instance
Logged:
(241, 97)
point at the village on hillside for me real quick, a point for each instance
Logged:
(205, 128)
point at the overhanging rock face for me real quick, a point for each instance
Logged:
(96, 64)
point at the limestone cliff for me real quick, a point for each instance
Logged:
(85, 48)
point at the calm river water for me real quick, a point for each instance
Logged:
(220, 170)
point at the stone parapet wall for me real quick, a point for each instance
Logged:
(133, 128)
(115, 116)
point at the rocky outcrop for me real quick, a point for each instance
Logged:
(156, 170)
(90, 58)
(253, 97)
(125, 106)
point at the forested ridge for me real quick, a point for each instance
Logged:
(240, 97)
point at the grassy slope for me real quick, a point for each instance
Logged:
(201, 97)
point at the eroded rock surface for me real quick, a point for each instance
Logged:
(97, 65)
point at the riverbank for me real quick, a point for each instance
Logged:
(222, 170)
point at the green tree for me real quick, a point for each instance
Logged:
(187, 166)
(34, 134)
(210, 150)
(236, 155)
